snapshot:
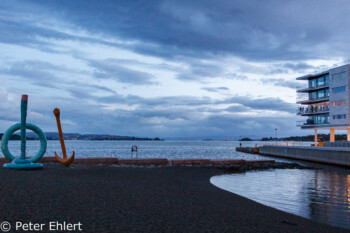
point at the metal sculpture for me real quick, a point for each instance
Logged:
(23, 162)
(65, 161)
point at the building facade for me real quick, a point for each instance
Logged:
(324, 101)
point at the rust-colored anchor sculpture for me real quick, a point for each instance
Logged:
(64, 160)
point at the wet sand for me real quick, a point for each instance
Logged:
(138, 199)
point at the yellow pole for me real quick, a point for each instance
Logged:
(315, 137)
(348, 139)
(332, 136)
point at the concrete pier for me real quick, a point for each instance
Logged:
(251, 150)
(328, 155)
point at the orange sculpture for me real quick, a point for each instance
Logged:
(65, 161)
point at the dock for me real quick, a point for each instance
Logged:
(339, 156)
(250, 150)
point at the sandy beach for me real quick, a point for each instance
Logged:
(137, 199)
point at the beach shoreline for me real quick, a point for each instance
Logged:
(138, 199)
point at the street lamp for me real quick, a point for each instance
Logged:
(276, 135)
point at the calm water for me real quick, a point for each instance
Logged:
(147, 149)
(322, 195)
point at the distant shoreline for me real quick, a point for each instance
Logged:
(83, 137)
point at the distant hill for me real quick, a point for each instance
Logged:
(92, 137)
(308, 138)
(245, 139)
(13, 137)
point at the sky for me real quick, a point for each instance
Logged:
(170, 69)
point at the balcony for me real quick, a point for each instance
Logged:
(312, 110)
(316, 74)
(305, 99)
(301, 123)
(307, 89)
(309, 123)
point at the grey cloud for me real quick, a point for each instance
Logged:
(272, 104)
(253, 30)
(281, 82)
(196, 34)
(178, 29)
(165, 101)
(45, 74)
(193, 118)
(236, 76)
(215, 89)
(198, 71)
(301, 66)
(110, 69)
(33, 72)
(238, 109)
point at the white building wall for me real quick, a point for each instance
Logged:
(336, 81)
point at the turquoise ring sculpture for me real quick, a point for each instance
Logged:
(23, 162)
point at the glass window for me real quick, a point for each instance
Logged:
(312, 83)
(321, 94)
(339, 103)
(338, 89)
(320, 82)
(339, 116)
(341, 75)
(326, 77)
(319, 119)
(313, 95)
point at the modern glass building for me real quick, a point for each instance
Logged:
(324, 101)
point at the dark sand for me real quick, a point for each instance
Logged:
(127, 199)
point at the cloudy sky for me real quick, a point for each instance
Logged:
(169, 69)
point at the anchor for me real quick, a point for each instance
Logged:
(23, 162)
(64, 160)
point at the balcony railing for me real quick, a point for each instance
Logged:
(312, 109)
(302, 97)
(302, 85)
(305, 87)
(310, 122)
(306, 97)
(301, 123)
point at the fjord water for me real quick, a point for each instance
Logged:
(322, 195)
(146, 149)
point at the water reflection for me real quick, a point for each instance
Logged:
(322, 195)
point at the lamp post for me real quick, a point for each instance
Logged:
(276, 135)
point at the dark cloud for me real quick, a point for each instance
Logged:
(254, 30)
